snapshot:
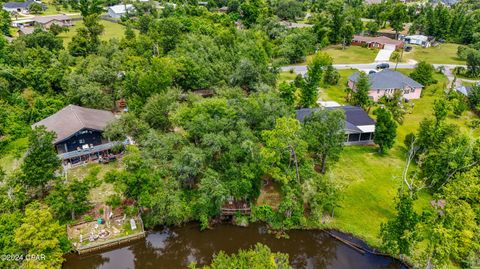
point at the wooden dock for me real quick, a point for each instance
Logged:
(109, 243)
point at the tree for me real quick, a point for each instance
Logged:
(68, 200)
(158, 108)
(473, 64)
(399, 234)
(346, 34)
(87, 39)
(309, 91)
(284, 151)
(40, 234)
(41, 161)
(397, 17)
(56, 29)
(324, 132)
(331, 76)
(440, 110)
(423, 73)
(5, 23)
(287, 92)
(259, 256)
(35, 8)
(289, 9)
(385, 130)
(360, 95)
(372, 28)
(395, 104)
(8, 223)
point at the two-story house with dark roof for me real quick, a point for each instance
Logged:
(386, 82)
(79, 132)
(359, 127)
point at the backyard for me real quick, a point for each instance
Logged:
(111, 30)
(370, 181)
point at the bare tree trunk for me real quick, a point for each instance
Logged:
(292, 150)
(324, 163)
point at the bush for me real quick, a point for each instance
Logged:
(114, 201)
(88, 218)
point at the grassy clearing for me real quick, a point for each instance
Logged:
(370, 180)
(441, 54)
(337, 92)
(111, 30)
(351, 54)
(11, 156)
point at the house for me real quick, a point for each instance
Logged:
(118, 11)
(79, 133)
(380, 42)
(465, 90)
(20, 7)
(359, 127)
(387, 82)
(44, 21)
(418, 40)
(292, 25)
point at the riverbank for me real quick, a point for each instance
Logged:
(177, 247)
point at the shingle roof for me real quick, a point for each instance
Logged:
(17, 4)
(72, 119)
(388, 79)
(354, 116)
(46, 19)
(378, 39)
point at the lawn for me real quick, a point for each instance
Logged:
(441, 54)
(11, 156)
(351, 54)
(111, 30)
(370, 180)
(337, 92)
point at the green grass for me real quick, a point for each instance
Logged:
(337, 92)
(441, 54)
(351, 54)
(370, 181)
(10, 157)
(111, 30)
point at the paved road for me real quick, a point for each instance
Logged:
(302, 69)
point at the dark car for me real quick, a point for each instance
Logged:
(371, 72)
(383, 66)
(408, 48)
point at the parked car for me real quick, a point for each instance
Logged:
(383, 66)
(408, 48)
(372, 72)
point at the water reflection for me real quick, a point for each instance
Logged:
(178, 247)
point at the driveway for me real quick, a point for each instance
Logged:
(383, 55)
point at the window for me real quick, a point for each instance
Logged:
(81, 141)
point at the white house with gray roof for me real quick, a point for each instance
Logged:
(386, 82)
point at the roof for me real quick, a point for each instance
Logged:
(47, 19)
(378, 39)
(388, 79)
(71, 119)
(26, 30)
(465, 90)
(418, 37)
(16, 5)
(355, 116)
(120, 9)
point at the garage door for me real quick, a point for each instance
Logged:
(389, 47)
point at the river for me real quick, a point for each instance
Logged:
(179, 246)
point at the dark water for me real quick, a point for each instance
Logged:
(178, 247)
